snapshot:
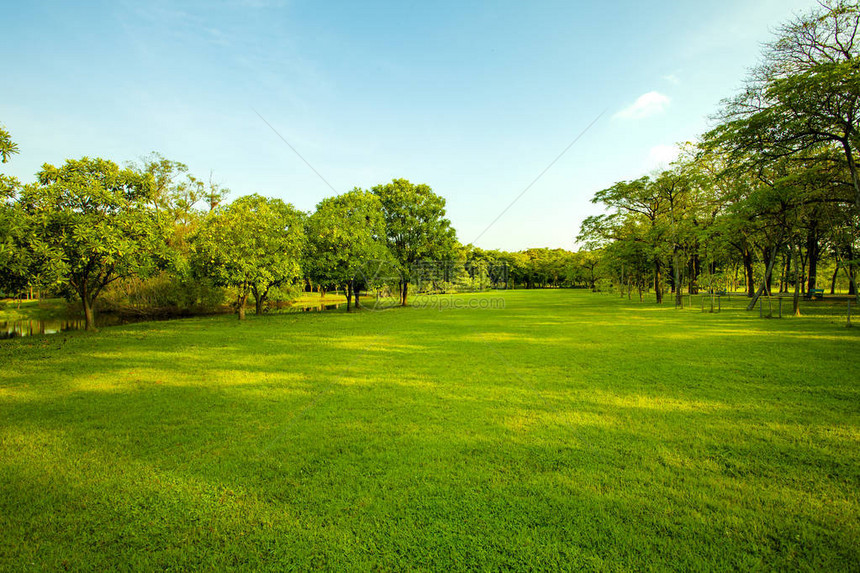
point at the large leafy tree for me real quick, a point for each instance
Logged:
(253, 244)
(89, 225)
(802, 103)
(416, 227)
(804, 98)
(13, 276)
(346, 234)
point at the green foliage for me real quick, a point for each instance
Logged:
(13, 264)
(415, 223)
(88, 225)
(777, 178)
(8, 148)
(345, 234)
(164, 294)
(252, 244)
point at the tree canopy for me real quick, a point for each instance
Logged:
(415, 223)
(345, 234)
(252, 244)
(88, 224)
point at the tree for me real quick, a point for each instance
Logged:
(416, 227)
(165, 175)
(640, 199)
(13, 276)
(803, 102)
(252, 244)
(89, 225)
(345, 233)
(8, 148)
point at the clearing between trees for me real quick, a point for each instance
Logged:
(561, 429)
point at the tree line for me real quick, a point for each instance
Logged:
(151, 236)
(771, 191)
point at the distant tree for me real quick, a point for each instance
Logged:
(177, 192)
(345, 233)
(165, 173)
(416, 227)
(252, 244)
(89, 225)
(215, 193)
(588, 261)
(641, 199)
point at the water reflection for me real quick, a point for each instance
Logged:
(315, 307)
(19, 328)
(16, 328)
(319, 307)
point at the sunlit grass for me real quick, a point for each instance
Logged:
(565, 430)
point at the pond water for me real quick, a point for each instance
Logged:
(311, 307)
(19, 328)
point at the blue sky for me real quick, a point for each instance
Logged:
(474, 99)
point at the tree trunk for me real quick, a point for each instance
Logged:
(786, 269)
(679, 301)
(765, 283)
(852, 168)
(850, 267)
(672, 275)
(259, 299)
(797, 281)
(852, 284)
(240, 304)
(769, 257)
(405, 294)
(833, 280)
(87, 300)
(855, 180)
(88, 312)
(694, 270)
(657, 286)
(813, 254)
(748, 273)
(348, 289)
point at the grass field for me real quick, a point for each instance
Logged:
(566, 430)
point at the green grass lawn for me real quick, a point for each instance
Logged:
(568, 430)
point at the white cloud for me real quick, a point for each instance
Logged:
(672, 79)
(660, 156)
(644, 106)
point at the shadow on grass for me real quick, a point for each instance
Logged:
(542, 433)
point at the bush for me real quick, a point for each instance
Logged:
(163, 294)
